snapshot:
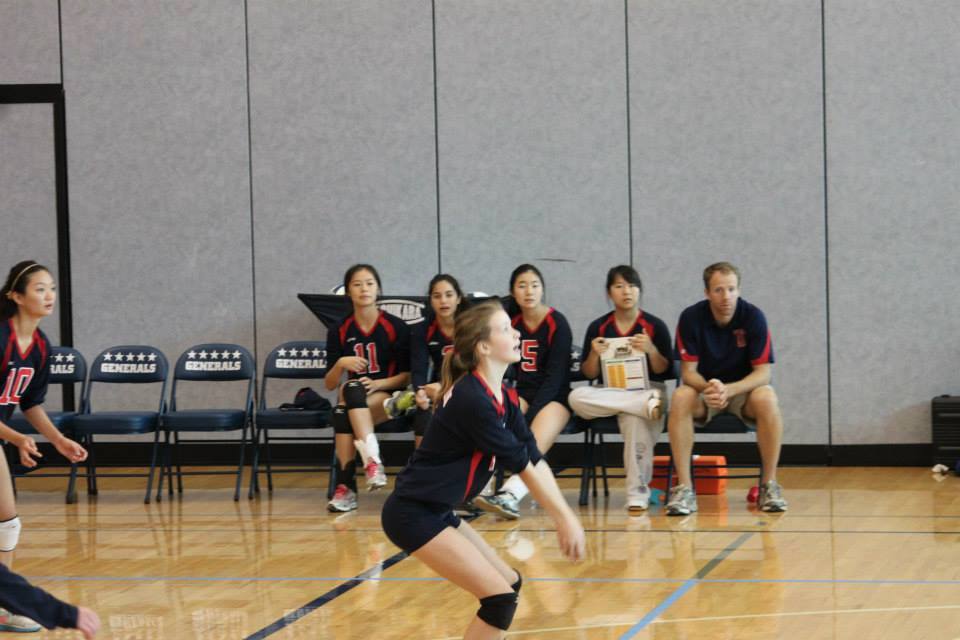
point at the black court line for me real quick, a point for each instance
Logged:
(329, 596)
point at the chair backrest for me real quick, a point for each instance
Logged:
(298, 359)
(67, 366)
(215, 361)
(576, 353)
(128, 364)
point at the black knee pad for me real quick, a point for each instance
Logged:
(519, 583)
(497, 611)
(421, 420)
(355, 395)
(339, 420)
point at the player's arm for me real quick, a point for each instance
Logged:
(22, 598)
(658, 362)
(542, 484)
(590, 364)
(557, 369)
(69, 449)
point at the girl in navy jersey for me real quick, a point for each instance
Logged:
(28, 296)
(429, 341)
(542, 376)
(477, 425)
(371, 350)
(638, 412)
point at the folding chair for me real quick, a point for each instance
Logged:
(213, 363)
(296, 360)
(67, 367)
(120, 365)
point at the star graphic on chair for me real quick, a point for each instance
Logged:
(141, 357)
(152, 357)
(215, 355)
(190, 355)
(236, 355)
(108, 356)
(315, 353)
(282, 353)
(58, 357)
(130, 357)
(225, 355)
(69, 357)
(304, 353)
(203, 355)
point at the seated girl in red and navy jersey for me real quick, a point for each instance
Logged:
(542, 376)
(28, 296)
(477, 426)
(429, 341)
(371, 349)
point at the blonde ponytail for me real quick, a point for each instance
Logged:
(471, 326)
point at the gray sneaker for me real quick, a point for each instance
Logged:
(771, 498)
(17, 624)
(682, 502)
(503, 504)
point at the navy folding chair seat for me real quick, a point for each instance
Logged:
(294, 360)
(120, 365)
(207, 363)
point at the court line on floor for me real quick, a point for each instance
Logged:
(608, 625)
(334, 593)
(543, 530)
(679, 592)
(373, 578)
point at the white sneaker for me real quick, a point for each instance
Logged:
(343, 500)
(654, 406)
(376, 475)
(17, 624)
(638, 499)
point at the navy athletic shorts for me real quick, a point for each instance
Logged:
(410, 524)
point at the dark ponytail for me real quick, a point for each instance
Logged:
(17, 281)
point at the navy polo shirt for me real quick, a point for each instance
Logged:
(727, 353)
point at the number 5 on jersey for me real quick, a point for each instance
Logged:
(528, 355)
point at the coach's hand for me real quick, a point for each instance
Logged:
(70, 450)
(599, 345)
(28, 451)
(715, 395)
(353, 364)
(572, 540)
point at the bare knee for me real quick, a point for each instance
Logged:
(762, 402)
(684, 400)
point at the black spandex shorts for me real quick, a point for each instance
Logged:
(410, 524)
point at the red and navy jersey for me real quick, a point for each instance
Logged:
(543, 373)
(428, 345)
(654, 327)
(471, 434)
(23, 374)
(386, 347)
(727, 353)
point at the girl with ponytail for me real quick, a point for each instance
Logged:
(477, 426)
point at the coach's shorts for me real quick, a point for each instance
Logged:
(734, 406)
(410, 524)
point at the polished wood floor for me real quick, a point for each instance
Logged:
(862, 553)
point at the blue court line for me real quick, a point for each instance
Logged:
(360, 578)
(685, 587)
(519, 530)
(334, 593)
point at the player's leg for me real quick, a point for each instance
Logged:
(546, 426)
(364, 411)
(453, 556)
(762, 407)
(9, 537)
(511, 575)
(686, 407)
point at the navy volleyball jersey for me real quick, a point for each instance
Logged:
(654, 327)
(23, 374)
(470, 435)
(386, 347)
(727, 353)
(543, 373)
(428, 345)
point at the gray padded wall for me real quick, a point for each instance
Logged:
(894, 149)
(343, 152)
(27, 182)
(726, 138)
(29, 42)
(533, 152)
(159, 191)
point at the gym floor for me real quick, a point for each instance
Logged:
(862, 552)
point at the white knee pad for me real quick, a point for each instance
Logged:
(9, 534)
